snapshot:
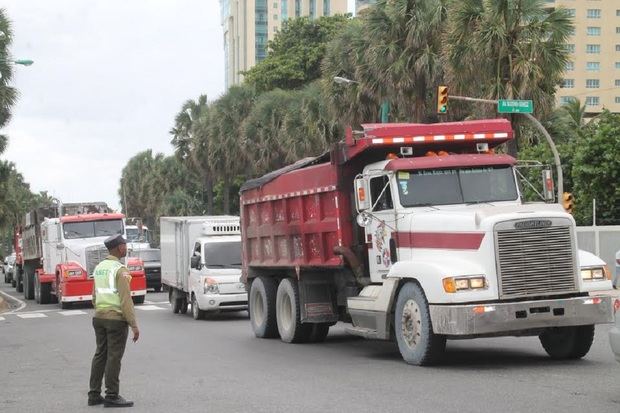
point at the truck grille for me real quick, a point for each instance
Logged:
(535, 261)
(94, 255)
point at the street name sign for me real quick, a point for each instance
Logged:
(515, 106)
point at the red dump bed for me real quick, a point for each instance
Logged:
(296, 219)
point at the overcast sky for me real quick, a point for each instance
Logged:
(109, 77)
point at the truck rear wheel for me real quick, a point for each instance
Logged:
(175, 302)
(28, 277)
(288, 314)
(45, 292)
(262, 307)
(567, 342)
(417, 343)
(19, 282)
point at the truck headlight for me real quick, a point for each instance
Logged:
(456, 284)
(211, 286)
(132, 268)
(595, 274)
(73, 273)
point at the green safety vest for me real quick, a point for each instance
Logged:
(107, 297)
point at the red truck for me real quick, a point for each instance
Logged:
(62, 248)
(416, 233)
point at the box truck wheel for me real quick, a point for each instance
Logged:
(197, 313)
(288, 314)
(183, 308)
(28, 283)
(175, 301)
(414, 333)
(567, 342)
(262, 307)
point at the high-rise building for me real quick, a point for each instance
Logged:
(593, 74)
(363, 4)
(249, 24)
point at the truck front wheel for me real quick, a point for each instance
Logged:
(567, 342)
(414, 332)
(262, 307)
(288, 314)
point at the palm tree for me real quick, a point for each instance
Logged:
(576, 111)
(498, 49)
(8, 95)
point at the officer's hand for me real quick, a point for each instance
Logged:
(136, 334)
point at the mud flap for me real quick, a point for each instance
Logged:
(317, 301)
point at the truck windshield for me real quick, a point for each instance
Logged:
(456, 186)
(90, 229)
(135, 235)
(223, 254)
(148, 255)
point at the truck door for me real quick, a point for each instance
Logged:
(195, 273)
(379, 232)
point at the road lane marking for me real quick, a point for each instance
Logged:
(32, 315)
(72, 312)
(156, 302)
(1, 318)
(148, 307)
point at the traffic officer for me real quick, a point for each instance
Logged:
(114, 313)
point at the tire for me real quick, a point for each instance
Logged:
(157, 289)
(288, 315)
(19, 283)
(318, 333)
(28, 280)
(262, 307)
(197, 313)
(13, 283)
(564, 343)
(37, 290)
(63, 305)
(183, 308)
(45, 293)
(417, 343)
(175, 303)
(138, 299)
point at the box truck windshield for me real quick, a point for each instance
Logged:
(222, 254)
(456, 186)
(72, 230)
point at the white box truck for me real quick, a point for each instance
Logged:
(201, 264)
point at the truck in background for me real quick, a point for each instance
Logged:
(139, 236)
(416, 233)
(201, 264)
(61, 251)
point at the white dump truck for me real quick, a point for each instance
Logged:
(201, 264)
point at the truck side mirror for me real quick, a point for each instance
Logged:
(362, 199)
(195, 262)
(548, 187)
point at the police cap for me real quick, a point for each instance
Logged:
(114, 241)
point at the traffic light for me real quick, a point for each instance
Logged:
(567, 202)
(442, 99)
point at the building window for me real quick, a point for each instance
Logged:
(570, 66)
(593, 14)
(275, 17)
(570, 48)
(593, 48)
(617, 13)
(568, 83)
(312, 9)
(284, 9)
(617, 65)
(617, 99)
(275, 5)
(592, 100)
(592, 83)
(594, 31)
(593, 66)
(617, 83)
(297, 8)
(565, 100)
(260, 32)
(326, 7)
(617, 30)
(571, 12)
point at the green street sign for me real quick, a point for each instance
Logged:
(515, 106)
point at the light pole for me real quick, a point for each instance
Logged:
(384, 109)
(22, 62)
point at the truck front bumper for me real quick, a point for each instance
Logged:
(490, 318)
(213, 302)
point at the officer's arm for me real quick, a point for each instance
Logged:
(122, 281)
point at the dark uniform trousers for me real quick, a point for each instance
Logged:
(111, 339)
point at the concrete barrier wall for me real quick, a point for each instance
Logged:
(603, 241)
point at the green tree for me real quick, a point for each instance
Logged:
(596, 171)
(295, 53)
(8, 94)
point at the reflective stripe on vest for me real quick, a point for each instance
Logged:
(105, 285)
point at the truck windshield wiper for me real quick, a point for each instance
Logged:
(426, 205)
(479, 202)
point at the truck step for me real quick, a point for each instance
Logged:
(363, 332)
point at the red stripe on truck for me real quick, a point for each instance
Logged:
(442, 240)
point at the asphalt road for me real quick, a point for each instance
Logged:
(216, 365)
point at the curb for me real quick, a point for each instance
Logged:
(3, 305)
